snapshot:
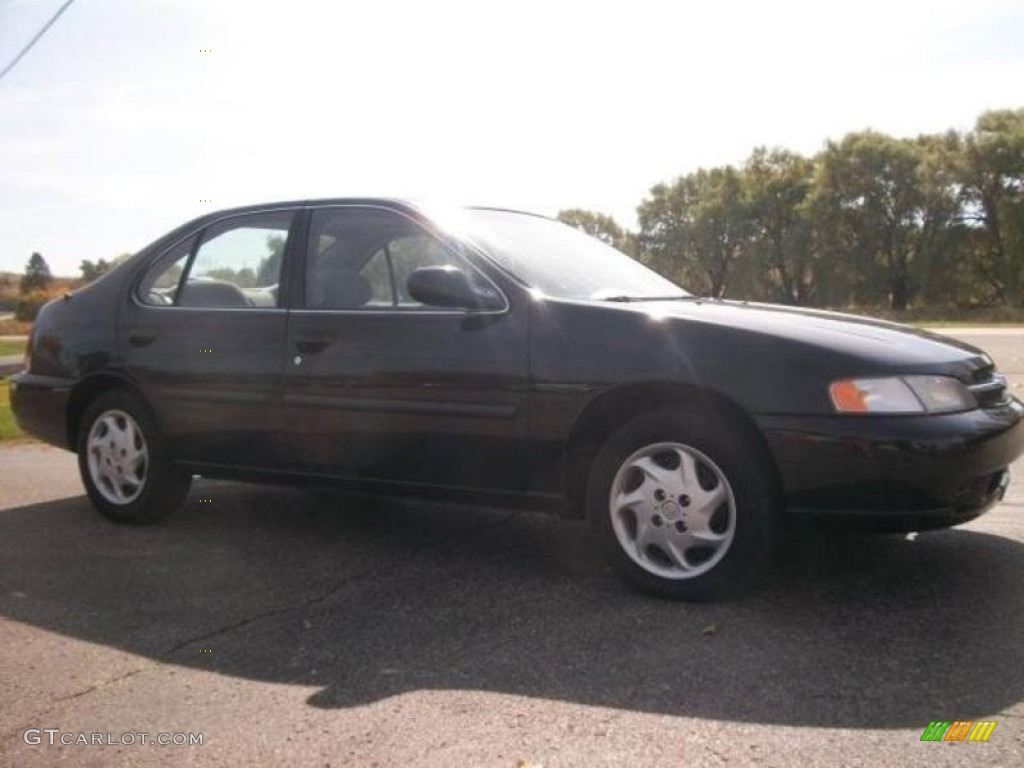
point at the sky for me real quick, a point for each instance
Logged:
(118, 126)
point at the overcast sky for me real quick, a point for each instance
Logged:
(115, 126)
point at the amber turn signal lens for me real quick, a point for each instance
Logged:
(848, 397)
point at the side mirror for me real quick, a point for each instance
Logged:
(450, 287)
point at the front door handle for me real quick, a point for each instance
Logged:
(140, 338)
(312, 346)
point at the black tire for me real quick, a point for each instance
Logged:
(747, 471)
(164, 486)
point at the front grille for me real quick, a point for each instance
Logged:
(990, 391)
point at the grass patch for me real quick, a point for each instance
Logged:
(8, 428)
(11, 348)
(950, 317)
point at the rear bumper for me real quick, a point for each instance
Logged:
(40, 405)
(934, 469)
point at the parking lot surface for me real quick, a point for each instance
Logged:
(294, 627)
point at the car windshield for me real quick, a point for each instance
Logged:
(562, 262)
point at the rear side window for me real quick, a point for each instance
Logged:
(236, 263)
(361, 258)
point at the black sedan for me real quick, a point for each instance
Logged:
(506, 358)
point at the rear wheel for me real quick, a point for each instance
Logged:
(123, 464)
(682, 504)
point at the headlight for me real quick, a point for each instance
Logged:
(901, 394)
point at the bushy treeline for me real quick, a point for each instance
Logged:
(871, 220)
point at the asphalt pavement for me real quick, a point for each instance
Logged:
(296, 627)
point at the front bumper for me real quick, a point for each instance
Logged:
(40, 406)
(934, 469)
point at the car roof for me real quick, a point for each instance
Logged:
(420, 206)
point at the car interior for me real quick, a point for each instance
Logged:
(353, 267)
(209, 292)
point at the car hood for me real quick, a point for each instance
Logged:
(875, 342)
(765, 358)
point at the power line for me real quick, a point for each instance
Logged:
(35, 39)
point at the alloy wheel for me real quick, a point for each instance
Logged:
(118, 457)
(672, 510)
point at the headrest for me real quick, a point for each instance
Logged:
(339, 289)
(211, 293)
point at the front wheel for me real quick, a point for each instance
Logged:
(682, 504)
(123, 463)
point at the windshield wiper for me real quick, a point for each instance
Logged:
(626, 299)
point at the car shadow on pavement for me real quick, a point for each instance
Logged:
(368, 598)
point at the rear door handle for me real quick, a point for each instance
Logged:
(141, 338)
(312, 346)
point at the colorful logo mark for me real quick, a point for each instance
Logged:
(958, 730)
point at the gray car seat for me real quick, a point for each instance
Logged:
(338, 289)
(211, 293)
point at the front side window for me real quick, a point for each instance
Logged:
(235, 264)
(361, 258)
(410, 253)
(377, 272)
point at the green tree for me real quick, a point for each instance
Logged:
(868, 188)
(940, 262)
(269, 270)
(778, 183)
(870, 220)
(993, 188)
(37, 274)
(595, 224)
(243, 278)
(696, 230)
(91, 271)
